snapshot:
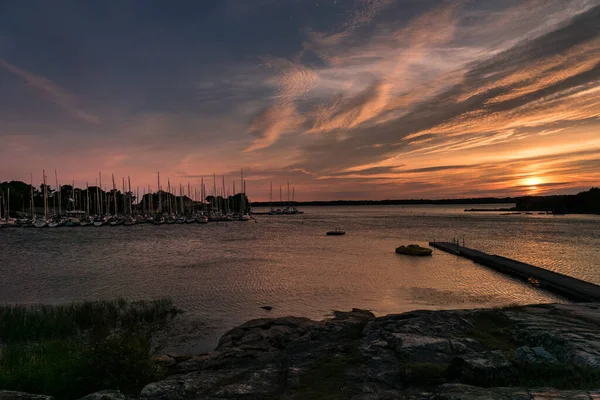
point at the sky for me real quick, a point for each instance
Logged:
(343, 99)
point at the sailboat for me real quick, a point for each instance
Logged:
(42, 221)
(243, 214)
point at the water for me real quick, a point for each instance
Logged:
(222, 273)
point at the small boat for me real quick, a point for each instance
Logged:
(98, 221)
(414, 250)
(190, 220)
(244, 217)
(40, 223)
(336, 232)
(55, 222)
(201, 219)
(180, 220)
(129, 221)
(158, 220)
(25, 223)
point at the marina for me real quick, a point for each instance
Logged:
(97, 205)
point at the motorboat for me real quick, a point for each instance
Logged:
(336, 232)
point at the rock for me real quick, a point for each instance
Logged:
(11, 395)
(423, 348)
(179, 357)
(467, 392)
(356, 355)
(414, 250)
(535, 355)
(268, 308)
(164, 360)
(569, 332)
(484, 367)
(265, 334)
(105, 395)
(356, 314)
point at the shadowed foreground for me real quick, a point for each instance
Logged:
(519, 352)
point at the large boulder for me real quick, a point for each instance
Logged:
(414, 250)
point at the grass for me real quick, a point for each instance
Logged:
(326, 379)
(68, 351)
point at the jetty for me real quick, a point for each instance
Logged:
(563, 285)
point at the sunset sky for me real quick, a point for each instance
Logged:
(345, 99)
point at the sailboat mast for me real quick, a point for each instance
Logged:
(98, 205)
(203, 194)
(129, 198)
(100, 198)
(169, 195)
(32, 208)
(45, 194)
(87, 200)
(181, 198)
(215, 189)
(242, 193)
(160, 210)
(175, 201)
(114, 194)
(271, 195)
(194, 200)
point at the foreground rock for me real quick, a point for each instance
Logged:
(416, 355)
(513, 353)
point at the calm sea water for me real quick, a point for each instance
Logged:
(223, 272)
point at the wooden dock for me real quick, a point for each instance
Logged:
(563, 285)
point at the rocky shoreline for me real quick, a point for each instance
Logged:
(529, 352)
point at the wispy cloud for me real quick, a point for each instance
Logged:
(55, 93)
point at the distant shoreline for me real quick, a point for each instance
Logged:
(385, 202)
(587, 202)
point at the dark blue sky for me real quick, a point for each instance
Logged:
(367, 97)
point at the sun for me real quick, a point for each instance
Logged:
(532, 181)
